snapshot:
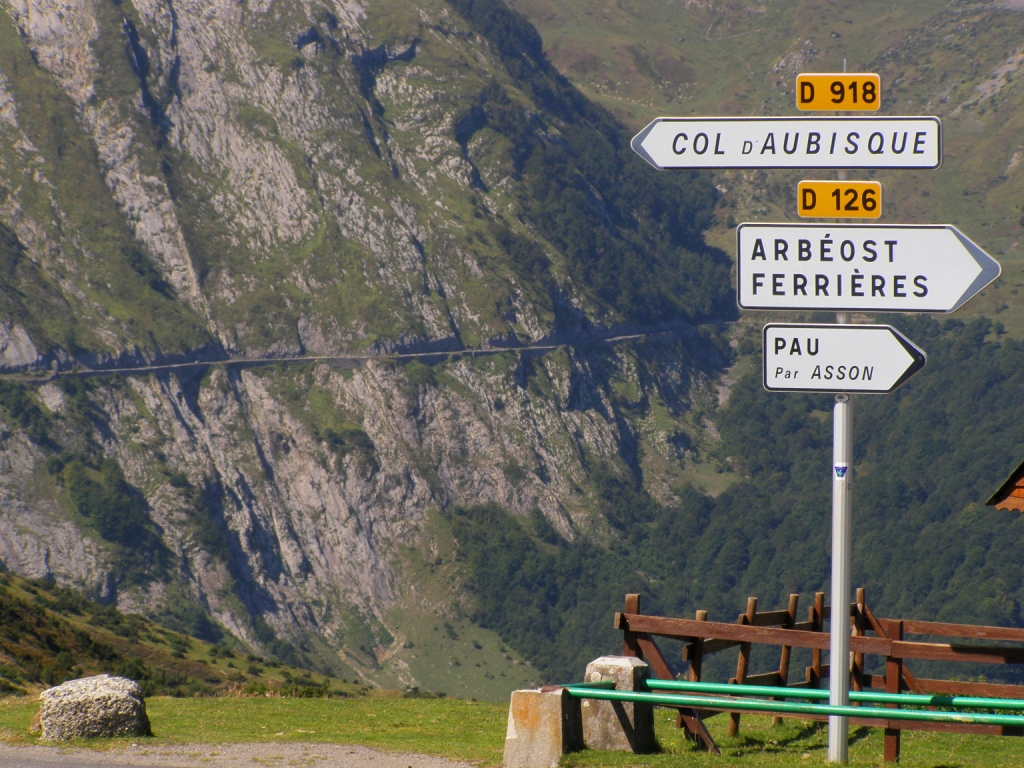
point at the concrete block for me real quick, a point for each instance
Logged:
(618, 725)
(541, 728)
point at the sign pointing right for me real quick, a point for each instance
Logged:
(873, 359)
(859, 267)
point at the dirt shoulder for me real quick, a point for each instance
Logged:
(292, 755)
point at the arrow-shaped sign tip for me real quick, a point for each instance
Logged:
(920, 358)
(990, 268)
(637, 144)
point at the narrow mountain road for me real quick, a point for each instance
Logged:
(219, 756)
(343, 360)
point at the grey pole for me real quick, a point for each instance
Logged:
(839, 635)
(839, 631)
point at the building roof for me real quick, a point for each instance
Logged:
(1010, 495)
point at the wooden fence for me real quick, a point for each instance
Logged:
(887, 638)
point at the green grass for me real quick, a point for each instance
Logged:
(462, 730)
(475, 732)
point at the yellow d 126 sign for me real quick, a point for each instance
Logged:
(839, 199)
(846, 92)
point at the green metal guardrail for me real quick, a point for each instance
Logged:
(712, 702)
(913, 699)
(607, 684)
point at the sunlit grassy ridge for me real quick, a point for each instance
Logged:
(49, 634)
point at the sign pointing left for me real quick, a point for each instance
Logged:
(791, 142)
(873, 359)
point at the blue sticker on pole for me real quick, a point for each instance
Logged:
(841, 470)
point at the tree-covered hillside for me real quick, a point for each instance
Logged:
(926, 458)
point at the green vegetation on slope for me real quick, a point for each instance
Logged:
(924, 546)
(116, 284)
(634, 237)
(78, 478)
(49, 634)
(959, 61)
(579, 219)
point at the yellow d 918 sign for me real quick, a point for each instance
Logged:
(839, 199)
(846, 92)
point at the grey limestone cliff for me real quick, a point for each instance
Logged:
(185, 180)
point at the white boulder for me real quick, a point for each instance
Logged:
(93, 706)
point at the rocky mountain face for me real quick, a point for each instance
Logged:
(202, 183)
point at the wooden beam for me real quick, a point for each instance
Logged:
(784, 657)
(876, 625)
(653, 656)
(770, 619)
(859, 627)
(827, 611)
(816, 616)
(709, 647)
(881, 627)
(686, 629)
(696, 651)
(955, 652)
(914, 725)
(944, 629)
(692, 719)
(823, 671)
(764, 678)
(959, 688)
(695, 726)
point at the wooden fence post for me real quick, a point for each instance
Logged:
(893, 683)
(859, 627)
(742, 661)
(794, 600)
(630, 646)
(695, 654)
(816, 617)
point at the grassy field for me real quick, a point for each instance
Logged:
(475, 731)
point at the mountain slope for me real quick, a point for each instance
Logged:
(961, 61)
(183, 182)
(51, 634)
(389, 263)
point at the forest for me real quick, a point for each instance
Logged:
(925, 546)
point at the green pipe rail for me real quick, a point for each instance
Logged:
(711, 702)
(608, 684)
(913, 699)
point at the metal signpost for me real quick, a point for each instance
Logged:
(835, 267)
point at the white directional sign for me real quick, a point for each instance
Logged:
(874, 359)
(791, 142)
(859, 267)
